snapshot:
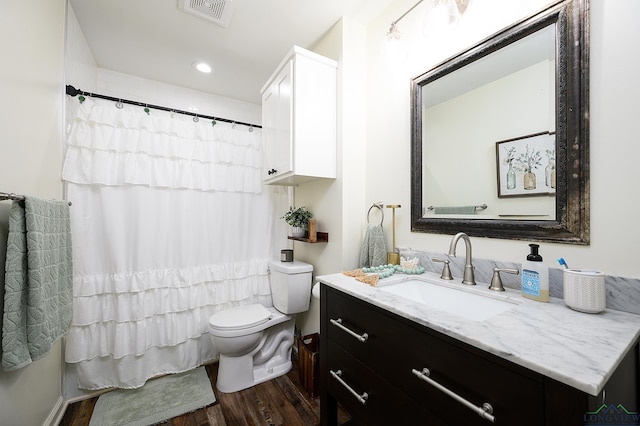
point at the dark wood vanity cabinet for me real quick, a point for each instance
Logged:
(371, 360)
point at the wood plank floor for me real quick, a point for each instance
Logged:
(281, 401)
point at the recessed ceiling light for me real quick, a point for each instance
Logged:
(202, 67)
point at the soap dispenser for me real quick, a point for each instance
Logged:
(535, 276)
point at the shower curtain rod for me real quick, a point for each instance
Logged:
(72, 91)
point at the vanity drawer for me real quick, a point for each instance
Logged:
(384, 404)
(394, 347)
(371, 335)
(515, 398)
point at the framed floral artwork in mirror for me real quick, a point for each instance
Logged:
(526, 165)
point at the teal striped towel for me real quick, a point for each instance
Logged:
(38, 281)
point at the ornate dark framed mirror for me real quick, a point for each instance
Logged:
(514, 105)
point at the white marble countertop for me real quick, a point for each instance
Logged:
(579, 349)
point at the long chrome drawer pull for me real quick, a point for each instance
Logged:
(486, 411)
(338, 322)
(362, 398)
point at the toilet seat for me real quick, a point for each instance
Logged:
(240, 317)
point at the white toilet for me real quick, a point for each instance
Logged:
(254, 341)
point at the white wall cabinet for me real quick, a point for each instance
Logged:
(299, 119)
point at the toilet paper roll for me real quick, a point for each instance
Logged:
(315, 291)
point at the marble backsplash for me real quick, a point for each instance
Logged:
(623, 294)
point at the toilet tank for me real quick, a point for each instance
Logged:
(290, 285)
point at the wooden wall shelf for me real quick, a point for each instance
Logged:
(321, 237)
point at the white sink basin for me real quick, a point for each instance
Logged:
(467, 304)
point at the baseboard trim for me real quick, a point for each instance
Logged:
(57, 413)
(88, 395)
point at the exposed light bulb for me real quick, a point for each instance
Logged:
(441, 19)
(395, 53)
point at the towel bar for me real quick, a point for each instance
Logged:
(12, 196)
(480, 207)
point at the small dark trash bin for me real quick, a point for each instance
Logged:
(308, 355)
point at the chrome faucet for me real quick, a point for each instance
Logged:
(468, 276)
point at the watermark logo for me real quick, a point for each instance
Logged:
(611, 414)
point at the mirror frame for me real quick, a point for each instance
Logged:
(571, 224)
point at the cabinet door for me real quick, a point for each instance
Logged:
(269, 120)
(299, 120)
(277, 119)
(367, 396)
(283, 102)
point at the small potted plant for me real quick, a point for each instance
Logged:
(299, 221)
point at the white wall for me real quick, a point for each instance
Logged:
(615, 58)
(113, 83)
(337, 204)
(31, 117)
(334, 202)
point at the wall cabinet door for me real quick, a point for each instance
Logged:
(277, 110)
(299, 120)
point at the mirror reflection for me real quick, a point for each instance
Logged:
(490, 132)
(507, 96)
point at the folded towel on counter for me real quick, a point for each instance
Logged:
(455, 210)
(374, 247)
(38, 281)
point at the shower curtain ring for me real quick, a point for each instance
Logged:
(196, 119)
(251, 128)
(119, 104)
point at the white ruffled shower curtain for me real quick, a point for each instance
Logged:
(170, 224)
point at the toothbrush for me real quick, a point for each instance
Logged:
(563, 262)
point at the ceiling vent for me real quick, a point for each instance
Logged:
(216, 11)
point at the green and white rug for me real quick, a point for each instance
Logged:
(158, 400)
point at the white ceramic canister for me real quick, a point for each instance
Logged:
(584, 290)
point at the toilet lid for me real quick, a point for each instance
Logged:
(240, 317)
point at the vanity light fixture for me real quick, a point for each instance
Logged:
(395, 53)
(443, 12)
(443, 17)
(394, 34)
